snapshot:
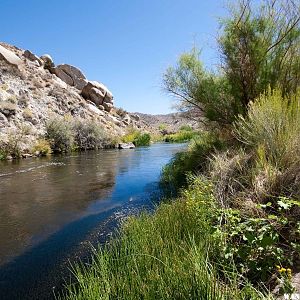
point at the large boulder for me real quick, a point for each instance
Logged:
(99, 94)
(10, 57)
(47, 61)
(32, 57)
(65, 72)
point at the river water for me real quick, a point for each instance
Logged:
(53, 209)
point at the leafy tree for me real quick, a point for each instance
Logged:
(259, 47)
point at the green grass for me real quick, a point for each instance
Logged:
(137, 138)
(168, 255)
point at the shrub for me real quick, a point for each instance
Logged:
(27, 114)
(186, 128)
(142, 139)
(59, 134)
(137, 137)
(42, 147)
(271, 130)
(193, 160)
(89, 135)
(8, 108)
(12, 146)
(181, 136)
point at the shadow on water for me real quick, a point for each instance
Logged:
(53, 210)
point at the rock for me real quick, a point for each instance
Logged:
(107, 106)
(78, 79)
(126, 146)
(135, 117)
(62, 75)
(126, 120)
(10, 57)
(26, 155)
(48, 61)
(3, 120)
(32, 57)
(99, 94)
(94, 109)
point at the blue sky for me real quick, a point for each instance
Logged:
(127, 45)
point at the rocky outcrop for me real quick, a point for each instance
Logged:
(10, 57)
(99, 94)
(32, 57)
(70, 75)
(47, 61)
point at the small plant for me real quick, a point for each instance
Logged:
(27, 114)
(42, 147)
(8, 108)
(284, 279)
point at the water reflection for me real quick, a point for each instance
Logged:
(51, 208)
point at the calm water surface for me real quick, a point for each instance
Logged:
(53, 209)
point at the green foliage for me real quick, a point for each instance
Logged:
(181, 136)
(162, 127)
(162, 256)
(259, 48)
(186, 128)
(197, 88)
(137, 138)
(142, 139)
(272, 128)
(42, 147)
(193, 160)
(60, 134)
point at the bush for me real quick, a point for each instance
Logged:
(42, 147)
(89, 135)
(142, 139)
(193, 160)
(12, 146)
(60, 135)
(271, 131)
(181, 136)
(137, 138)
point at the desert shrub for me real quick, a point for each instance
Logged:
(89, 135)
(60, 135)
(186, 128)
(13, 145)
(121, 112)
(42, 147)
(271, 131)
(8, 108)
(27, 114)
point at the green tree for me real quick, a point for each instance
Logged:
(259, 47)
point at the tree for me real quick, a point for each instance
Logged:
(259, 48)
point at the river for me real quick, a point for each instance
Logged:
(54, 208)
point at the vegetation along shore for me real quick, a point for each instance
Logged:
(233, 232)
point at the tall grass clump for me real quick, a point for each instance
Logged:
(271, 132)
(161, 256)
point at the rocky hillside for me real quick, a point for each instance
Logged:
(33, 90)
(169, 122)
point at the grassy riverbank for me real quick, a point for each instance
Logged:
(172, 254)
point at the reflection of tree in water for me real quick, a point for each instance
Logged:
(41, 200)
